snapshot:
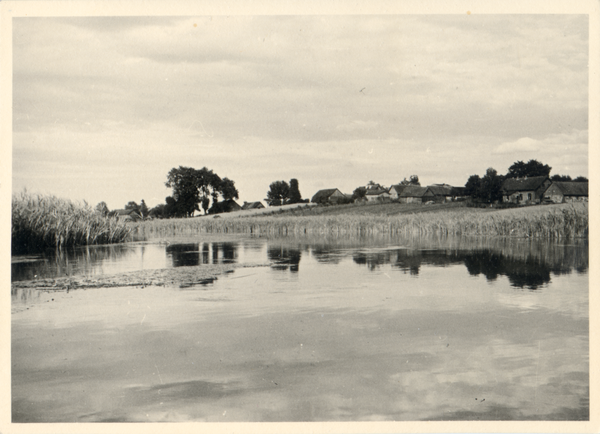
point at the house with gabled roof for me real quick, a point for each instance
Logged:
(252, 205)
(527, 190)
(328, 195)
(396, 190)
(374, 194)
(560, 192)
(416, 194)
(126, 215)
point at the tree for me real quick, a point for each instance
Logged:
(278, 192)
(294, 194)
(581, 179)
(144, 209)
(413, 180)
(491, 184)
(192, 187)
(359, 193)
(473, 186)
(561, 178)
(102, 208)
(131, 205)
(531, 168)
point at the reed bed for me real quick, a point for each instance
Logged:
(563, 221)
(40, 222)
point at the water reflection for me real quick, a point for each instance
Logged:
(284, 258)
(192, 254)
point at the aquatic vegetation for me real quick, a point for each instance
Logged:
(555, 221)
(42, 221)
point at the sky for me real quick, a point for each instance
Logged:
(104, 107)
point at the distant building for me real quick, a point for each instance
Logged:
(560, 192)
(416, 194)
(526, 190)
(252, 205)
(127, 215)
(396, 190)
(330, 195)
(224, 206)
(376, 194)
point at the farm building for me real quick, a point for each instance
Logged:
(396, 190)
(560, 192)
(330, 195)
(127, 215)
(525, 190)
(447, 193)
(224, 206)
(252, 205)
(375, 194)
(442, 192)
(416, 194)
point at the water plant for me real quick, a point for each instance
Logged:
(43, 221)
(557, 221)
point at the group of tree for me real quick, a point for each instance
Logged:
(194, 189)
(282, 193)
(487, 189)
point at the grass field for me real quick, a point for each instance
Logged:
(550, 221)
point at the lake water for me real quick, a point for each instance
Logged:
(339, 329)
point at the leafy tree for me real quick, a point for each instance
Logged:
(486, 189)
(102, 208)
(131, 205)
(192, 187)
(359, 193)
(520, 169)
(294, 194)
(278, 192)
(561, 178)
(473, 186)
(491, 185)
(228, 190)
(581, 179)
(144, 209)
(413, 180)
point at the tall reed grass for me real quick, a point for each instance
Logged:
(40, 222)
(561, 221)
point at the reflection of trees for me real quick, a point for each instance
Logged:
(183, 255)
(521, 271)
(192, 254)
(284, 258)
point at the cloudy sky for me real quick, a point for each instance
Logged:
(104, 107)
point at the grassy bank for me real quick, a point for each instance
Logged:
(556, 221)
(41, 222)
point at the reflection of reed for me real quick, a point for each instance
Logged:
(67, 262)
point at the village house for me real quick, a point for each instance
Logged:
(528, 190)
(560, 192)
(447, 193)
(374, 194)
(416, 194)
(396, 190)
(252, 205)
(126, 215)
(224, 206)
(330, 195)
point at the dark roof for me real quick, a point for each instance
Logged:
(323, 194)
(252, 205)
(572, 188)
(523, 184)
(375, 192)
(441, 190)
(398, 187)
(414, 191)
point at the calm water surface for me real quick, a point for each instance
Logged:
(334, 330)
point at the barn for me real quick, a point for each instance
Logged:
(560, 192)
